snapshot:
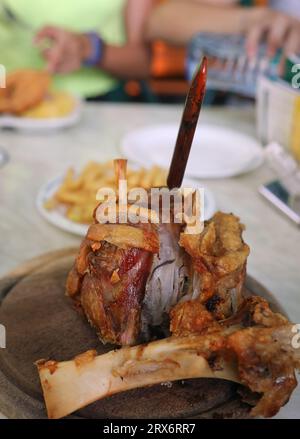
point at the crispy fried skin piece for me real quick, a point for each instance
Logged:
(256, 311)
(219, 257)
(73, 282)
(266, 359)
(191, 317)
(266, 364)
(275, 380)
(24, 90)
(125, 236)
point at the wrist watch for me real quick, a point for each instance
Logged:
(97, 46)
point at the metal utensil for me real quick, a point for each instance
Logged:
(230, 69)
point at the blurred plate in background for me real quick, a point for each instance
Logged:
(4, 157)
(217, 152)
(41, 124)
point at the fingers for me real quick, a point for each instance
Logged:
(279, 31)
(277, 35)
(281, 66)
(63, 58)
(253, 39)
(54, 56)
(65, 54)
(69, 64)
(50, 32)
(292, 43)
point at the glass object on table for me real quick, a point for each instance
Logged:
(229, 68)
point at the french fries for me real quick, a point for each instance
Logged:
(77, 193)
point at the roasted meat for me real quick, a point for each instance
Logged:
(218, 259)
(109, 279)
(128, 277)
(132, 279)
(167, 282)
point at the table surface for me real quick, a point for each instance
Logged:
(36, 158)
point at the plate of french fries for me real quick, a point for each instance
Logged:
(68, 201)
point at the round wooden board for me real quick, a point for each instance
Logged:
(41, 322)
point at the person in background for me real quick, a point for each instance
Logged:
(275, 21)
(89, 46)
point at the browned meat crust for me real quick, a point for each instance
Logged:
(211, 317)
(266, 364)
(218, 256)
(109, 281)
(260, 341)
(191, 317)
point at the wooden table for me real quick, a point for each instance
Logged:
(36, 158)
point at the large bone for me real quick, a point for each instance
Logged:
(71, 385)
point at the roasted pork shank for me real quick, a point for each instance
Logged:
(109, 279)
(132, 279)
(128, 277)
(128, 284)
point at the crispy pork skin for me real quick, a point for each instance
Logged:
(129, 277)
(218, 258)
(129, 281)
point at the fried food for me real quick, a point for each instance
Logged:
(219, 257)
(24, 90)
(55, 104)
(77, 193)
(125, 236)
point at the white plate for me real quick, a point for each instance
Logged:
(216, 152)
(43, 124)
(4, 157)
(57, 218)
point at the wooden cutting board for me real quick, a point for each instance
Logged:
(41, 322)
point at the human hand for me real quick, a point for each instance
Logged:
(67, 51)
(278, 30)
